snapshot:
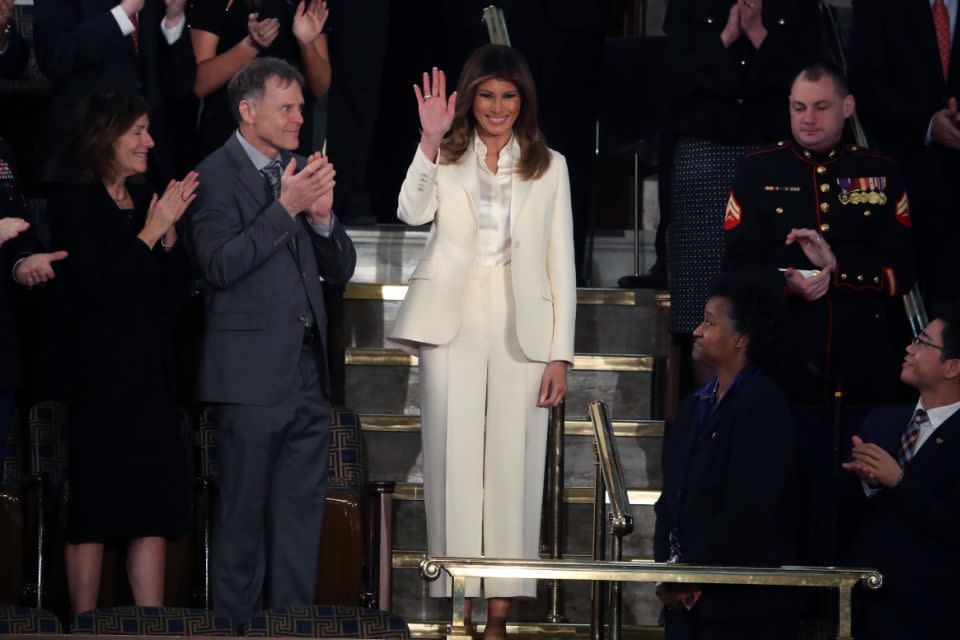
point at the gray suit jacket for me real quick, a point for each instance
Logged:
(254, 278)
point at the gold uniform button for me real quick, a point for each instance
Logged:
(876, 279)
(853, 147)
(825, 187)
(832, 154)
(779, 211)
(824, 228)
(867, 213)
(843, 276)
(806, 154)
(825, 206)
(821, 169)
(859, 278)
(781, 143)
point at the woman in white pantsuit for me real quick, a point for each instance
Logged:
(490, 311)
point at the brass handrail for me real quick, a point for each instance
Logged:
(459, 569)
(608, 484)
(496, 25)
(621, 519)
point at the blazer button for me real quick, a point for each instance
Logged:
(516, 245)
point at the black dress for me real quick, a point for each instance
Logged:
(129, 468)
(227, 19)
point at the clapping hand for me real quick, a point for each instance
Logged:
(165, 210)
(308, 21)
(873, 464)
(11, 227)
(819, 253)
(262, 33)
(37, 268)
(945, 126)
(300, 190)
(436, 111)
(732, 31)
(131, 7)
(321, 211)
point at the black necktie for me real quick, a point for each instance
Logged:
(272, 173)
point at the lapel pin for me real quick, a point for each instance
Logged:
(939, 440)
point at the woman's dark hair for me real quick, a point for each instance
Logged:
(503, 63)
(103, 118)
(756, 310)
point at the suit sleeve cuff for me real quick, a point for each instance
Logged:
(323, 230)
(928, 139)
(123, 21)
(173, 33)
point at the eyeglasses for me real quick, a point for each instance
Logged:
(926, 343)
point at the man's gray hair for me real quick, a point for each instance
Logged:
(250, 83)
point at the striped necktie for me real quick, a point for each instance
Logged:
(941, 24)
(908, 441)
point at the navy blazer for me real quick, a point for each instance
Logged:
(909, 533)
(732, 494)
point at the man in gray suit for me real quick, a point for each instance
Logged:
(264, 237)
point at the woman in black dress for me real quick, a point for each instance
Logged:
(227, 34)
(129, 467)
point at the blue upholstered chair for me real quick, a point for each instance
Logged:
(151, 621)
(327, 621)
(16, 620)
(356, 567)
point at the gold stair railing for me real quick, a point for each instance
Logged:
(459, 569)
(609, 482)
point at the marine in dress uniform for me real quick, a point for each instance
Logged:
(855, 199)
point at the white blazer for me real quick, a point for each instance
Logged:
(542, 262)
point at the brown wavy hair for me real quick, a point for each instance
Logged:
(503, 63)
(102, 119)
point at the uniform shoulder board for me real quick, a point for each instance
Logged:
(782, 145)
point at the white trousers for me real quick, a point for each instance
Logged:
(484, 438)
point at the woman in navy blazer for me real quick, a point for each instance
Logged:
(730, 467)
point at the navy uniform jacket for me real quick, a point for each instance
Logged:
(730, 495)
(856, 200)
(909, 533)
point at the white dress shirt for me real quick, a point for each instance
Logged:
(172, 34)
(492, 193)
(935, 417)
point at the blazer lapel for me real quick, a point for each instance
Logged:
(250, 179)
(946, 432)
(519, 190)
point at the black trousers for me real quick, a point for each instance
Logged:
(273, 486)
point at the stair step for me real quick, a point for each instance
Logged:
(531, 631)
(593, 296)
(401, 423)
(412, 559)
(571, 495)
(614, 362)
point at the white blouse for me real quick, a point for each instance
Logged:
(492, 193)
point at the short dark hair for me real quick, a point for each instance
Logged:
(816, 71)
(756, 310)
(101, 120)
(949, 314)
(250, 83)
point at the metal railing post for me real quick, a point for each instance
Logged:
(555, 604)
(599, 538)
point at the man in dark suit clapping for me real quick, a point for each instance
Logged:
(909, 495)
(264, 237)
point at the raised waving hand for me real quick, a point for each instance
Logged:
(436, 111)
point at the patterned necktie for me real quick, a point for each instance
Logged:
(908, 441)
(136, 33)
(941, 23)
(272, 172)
